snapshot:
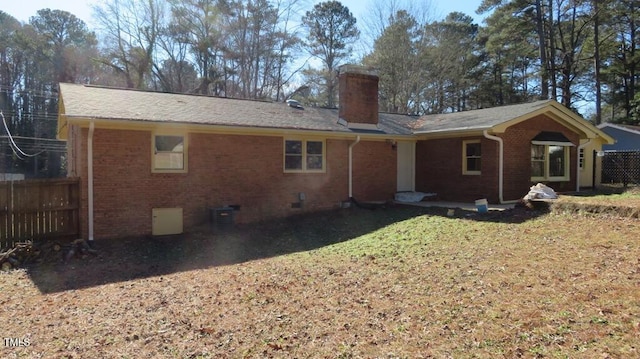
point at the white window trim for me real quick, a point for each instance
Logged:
(304, 155)
(567, 165)
(185, 153)
(464, 158)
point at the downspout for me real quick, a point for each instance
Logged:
(351, 146)
(90, 177)
(500, 164)
(578, 165)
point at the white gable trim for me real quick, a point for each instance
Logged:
(618, 127)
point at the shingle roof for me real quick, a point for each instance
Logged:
(82, 101)
(92, 102)
(475, 119)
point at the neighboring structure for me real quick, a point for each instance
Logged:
(156, 163)
(627, 137)
(621, 161)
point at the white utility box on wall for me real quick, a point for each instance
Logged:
(166, 221)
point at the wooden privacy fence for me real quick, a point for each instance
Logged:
(38, 209)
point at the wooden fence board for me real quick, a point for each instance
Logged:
(38, 209)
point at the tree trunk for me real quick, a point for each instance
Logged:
(596, 61)
(551, 54)
(544, 66)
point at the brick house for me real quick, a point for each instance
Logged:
(498, 153)
(156, 163)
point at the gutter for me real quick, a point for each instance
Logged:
(500, 165)
(234, 129)
(351, 146)
(451, 130)
(90, 177)
(580, 147)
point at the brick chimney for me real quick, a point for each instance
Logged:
(358, 97)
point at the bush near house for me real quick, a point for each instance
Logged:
(398, 283)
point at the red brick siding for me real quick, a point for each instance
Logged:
(374, 171)
(439, 170)
(358, 98)
(517, 156)
(439, 164)
(222, 170)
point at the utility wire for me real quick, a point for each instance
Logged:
(33, 116)
(61, 142)
(15, 147)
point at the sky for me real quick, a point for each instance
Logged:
(24, 9)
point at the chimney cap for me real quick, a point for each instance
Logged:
(358, 69)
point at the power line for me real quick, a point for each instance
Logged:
(34, 116)
(15, 147)
(35, 138)
(34, 93)
(38, 147)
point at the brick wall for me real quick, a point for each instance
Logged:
(374, 171)
(439, 164)
(358, 97)
(222, 170)
(517, 158)
(439, 170)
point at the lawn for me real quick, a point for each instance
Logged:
(400, 282)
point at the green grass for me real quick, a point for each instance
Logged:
(408, 236)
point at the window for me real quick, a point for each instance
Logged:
(169, 153)
(304, 156)
(550, 157)
(549, 162)
(471, 157)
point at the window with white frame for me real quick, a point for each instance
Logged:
(471, 157)
(550, 157)
(304, 155)
(169, 153)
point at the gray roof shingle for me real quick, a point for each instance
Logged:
(475, 119)
(93, 102)
(83, 101)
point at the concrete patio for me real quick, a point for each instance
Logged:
(461, 205)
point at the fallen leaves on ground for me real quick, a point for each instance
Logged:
(406, 283)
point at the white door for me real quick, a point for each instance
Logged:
(406, 166)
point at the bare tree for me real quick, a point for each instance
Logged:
(200, 24)
(130, 30)
(382, 13)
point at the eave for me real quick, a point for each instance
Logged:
(131, 125)
(450, 133)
